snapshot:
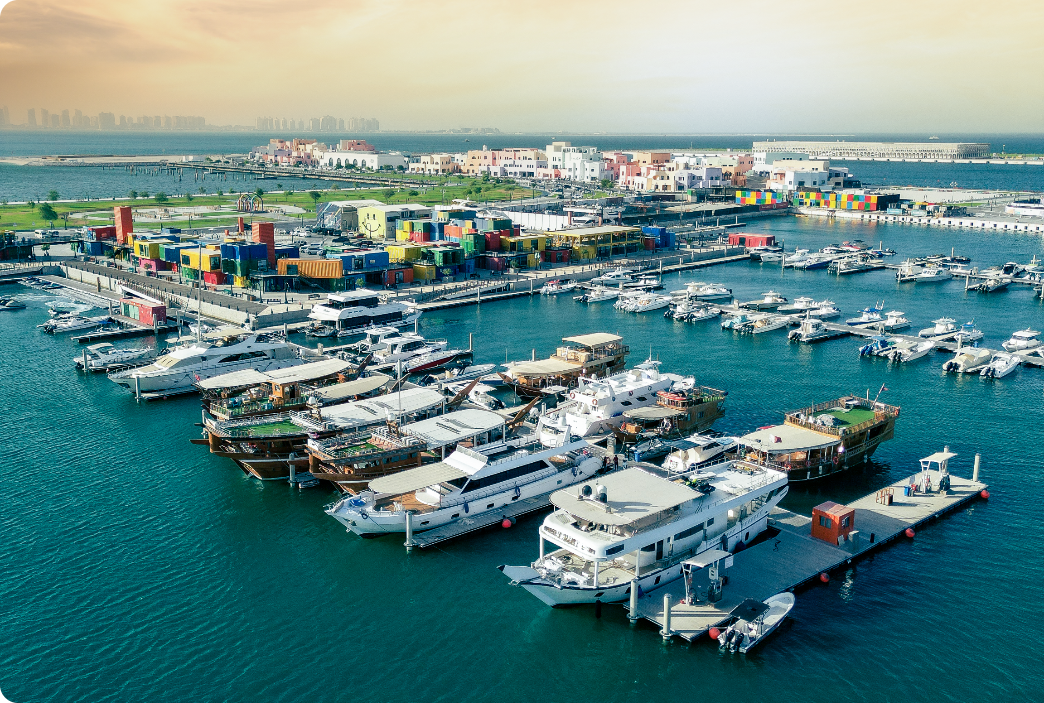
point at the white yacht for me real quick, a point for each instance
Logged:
(944, 326)
(555, 287)
(796, 259)
(598, 294)
(905, 350)
(698, 451)
(465, 485)
(105, 356)
(968, 360)
(190, 363)
(825, 310)
(967, 334)
(650, 302)
(767, 301)
(637, 525)
(768, 323)
(1023, 340)
(615, 276)
(74, 323)
(356, 310)
(597, 406)
(932, 274)
(800, 305)
(708, 291)
(1002, 364)
(811, 330)
(868, 316)
(894, 321)
(816, 260)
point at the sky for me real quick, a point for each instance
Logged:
(689, 66)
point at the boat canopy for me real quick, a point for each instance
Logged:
(293, 374)
(781, 439)
(652, 412)
(391, 406)
(596, 339)
(454, 427)
(938, 457)
(415, 479)
(707, 558)
(631, 495)
(750, 609)
(359, 386)
(544, 367)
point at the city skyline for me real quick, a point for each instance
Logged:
(681, 67)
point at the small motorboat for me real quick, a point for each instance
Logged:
(106, 357)
(754, 621)
(768, 301)
(767, 324)
(1001, 365)
(967, 334)
(879, 345)
(811, 330)
(321, 331)
(894, 321)
(650, 302)
(709, 291)
(868, 316)
(800, 305)
(59, 325)
(1023, 340)
(555, 287)
(598, 294)
(12, 304)
(944, 326)
(825, 310)
(968, 360)
(909, 351)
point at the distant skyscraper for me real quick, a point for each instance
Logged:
(5, 117)
(31, 118)
(77, 121)
(45, 118)
(66, 120)
(106, 120)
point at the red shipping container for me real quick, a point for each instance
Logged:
(492, 241)
(650, 242)
(264, 233)
(152, 314)
(214, 278)
(398, 276)
(106, 232)
(420, 237)
(153, 264)
(124, 223)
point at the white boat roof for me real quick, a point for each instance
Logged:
(454, 427)
(632, 494)
(415, 479)
(593, 340)
(940, 457)
(707, 558)
(351, 388)
(370, 410)
(787, 438)
(544, 366)
(292, 374)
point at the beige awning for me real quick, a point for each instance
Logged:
(593, 340)
(415, 479)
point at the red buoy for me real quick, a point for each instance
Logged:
(824, 577)
(985, 494)
(714, 633)
(910, 532)
(505, 523)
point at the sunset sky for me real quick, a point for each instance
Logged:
(682, 67)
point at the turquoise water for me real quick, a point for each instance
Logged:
(138, 567)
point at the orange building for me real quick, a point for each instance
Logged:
(124, 223)
(832, 522)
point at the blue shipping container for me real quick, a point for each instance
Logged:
(287, 252)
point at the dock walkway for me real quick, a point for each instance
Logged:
(793, 557)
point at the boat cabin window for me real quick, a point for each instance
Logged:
(642, 398)
(626, 402)
(614, 550)
(241, 357)
(710, 521)
(517, 472)
(649, 548)
(689, 532)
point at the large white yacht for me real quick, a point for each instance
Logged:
(190, 363)
(597, 406)
(463, 486)
(640, 525)
(357, 310)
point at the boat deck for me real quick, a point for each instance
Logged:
(793, 557)
(481, 521)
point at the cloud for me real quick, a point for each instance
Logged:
(673, 65)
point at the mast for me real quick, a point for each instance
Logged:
(199, 291)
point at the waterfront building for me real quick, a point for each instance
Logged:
(378, 221)
(589, 243)
(879, 150)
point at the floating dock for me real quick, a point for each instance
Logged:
(127, 331)
(793, 557)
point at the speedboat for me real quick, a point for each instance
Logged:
(105, 356)
(825, 310)
(647, 283)
(943, 327)
(1023, 340)
(909, 351)
(555, 287)
(968, 360)
(354, 311)
(908, 271)
(737, 321)
(711, 291)
(320, 331)
(796, 259)
(879, 345)
(754, 621)
(811, 330)
(463, 488)
(12, 304)
(598, 294)
(894, 321)
(869, 316)
(60, 325)
(768, 301)
(967, 334)
(650, 302)
(615, 276)
(598, 406)
(698, 451)
(767, 323)
(641, 525)
(843, 267)
(801, 304)
(1001, 365)
(184, 366)
(814, 261)
(933, 274)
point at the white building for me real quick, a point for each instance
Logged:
(368, 160)
(576, 163)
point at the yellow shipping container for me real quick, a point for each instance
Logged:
(531, 261)
(404, 252)
(423, 272)
(310, 268)
(241, 281)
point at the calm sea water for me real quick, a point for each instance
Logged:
(20, 183)
(137, 566)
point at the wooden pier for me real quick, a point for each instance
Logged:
(793, 558)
